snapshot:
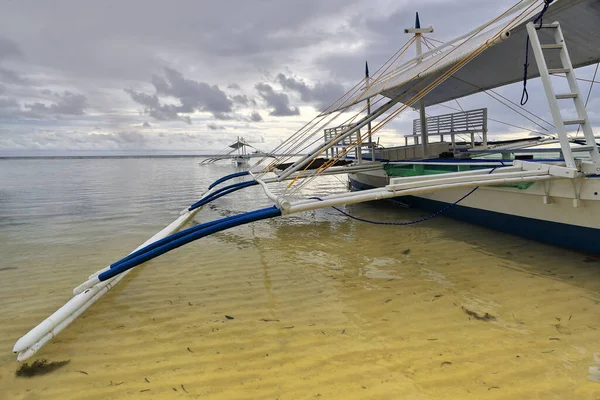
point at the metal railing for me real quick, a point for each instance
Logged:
(331, 134)
(463, 122)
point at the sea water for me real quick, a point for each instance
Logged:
(314, 305)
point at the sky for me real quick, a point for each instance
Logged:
(192, 76)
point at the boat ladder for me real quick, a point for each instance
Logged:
(574, 94)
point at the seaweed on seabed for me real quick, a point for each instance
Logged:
(40, 367)
(485, 317)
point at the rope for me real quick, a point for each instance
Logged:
(443, 210)
(539, 18)
(589, 93)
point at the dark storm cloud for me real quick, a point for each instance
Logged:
(61, 105)
(279, 102)
(11, 77)
(66, 103)
(9, 108)
(255, 117)
(8, 49)
(153, 107)
(215, 127)
(321, 94)
(192, 96)
(243, 100)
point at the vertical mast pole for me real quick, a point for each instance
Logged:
(369, 113)
(418, 31)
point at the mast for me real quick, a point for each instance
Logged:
(368, 113)
(418, 31)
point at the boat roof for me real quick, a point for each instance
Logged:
(498, 65)
(239, 144)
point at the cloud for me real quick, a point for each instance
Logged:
(243, 100)
(255, 116)
(66, 103)
(192, 96)
(215, 127)
(146, 125)
(61, 105)
(279, 102)
(8, 49)
(321, 94)
(10, 76)
(155, 109)
(9, 108)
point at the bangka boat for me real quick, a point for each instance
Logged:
(237, 152)
(561, 212)
(500, 185)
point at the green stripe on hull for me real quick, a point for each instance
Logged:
(406, 170)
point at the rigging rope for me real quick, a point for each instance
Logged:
(489, 93)
(588, 95)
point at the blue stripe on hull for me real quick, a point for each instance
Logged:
(562, 235)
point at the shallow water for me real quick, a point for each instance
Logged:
(322, 306)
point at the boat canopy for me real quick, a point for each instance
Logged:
(501, 63)
(240, 144)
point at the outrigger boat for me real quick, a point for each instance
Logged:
(237, 152)
(556, 201)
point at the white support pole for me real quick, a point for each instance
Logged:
(383, 193)
(418, 31)
(37, 337)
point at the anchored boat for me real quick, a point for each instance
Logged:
(501, 185)
(237, 152)
(561, 212)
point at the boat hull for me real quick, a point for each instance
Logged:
(518, 212)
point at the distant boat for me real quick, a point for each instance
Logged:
(237, 152)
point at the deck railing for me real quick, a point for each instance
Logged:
(331, 134)
(463, 122)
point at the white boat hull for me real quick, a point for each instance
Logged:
(565, 213)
